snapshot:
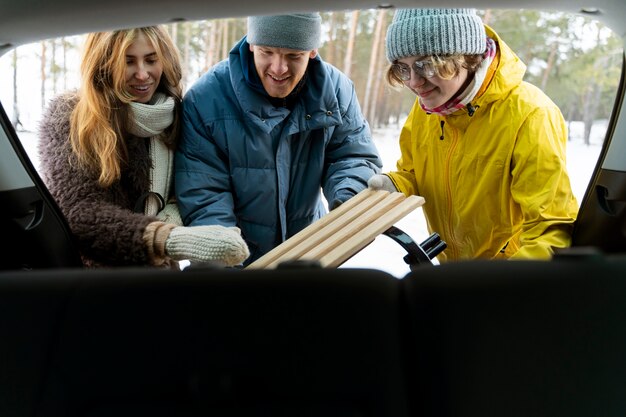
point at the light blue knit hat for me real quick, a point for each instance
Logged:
(301, 31)
(416, 32)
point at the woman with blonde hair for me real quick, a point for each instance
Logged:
(106, 155)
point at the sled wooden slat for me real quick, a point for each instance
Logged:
(308, 232)
(365, 236)
(344, 231)
(350, 228)
(320, 233)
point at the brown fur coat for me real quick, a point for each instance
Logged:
(109, 233)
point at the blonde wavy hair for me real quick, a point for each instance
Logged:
(98, 124)
(446, 66)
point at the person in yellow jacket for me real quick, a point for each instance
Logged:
(483, 147)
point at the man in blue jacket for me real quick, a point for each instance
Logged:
(265, 130)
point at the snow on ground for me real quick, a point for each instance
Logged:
(387, 255)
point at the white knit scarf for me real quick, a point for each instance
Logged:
(149, 121)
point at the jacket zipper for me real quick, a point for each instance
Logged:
(448, 190)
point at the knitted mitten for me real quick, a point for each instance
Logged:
(381, 182)
(207, 244)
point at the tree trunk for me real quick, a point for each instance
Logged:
(347, 63)
(233, 35)
(43, 74)
(53, 66)
(593, 97)
(210, 42)
(217, 55)
(330, 47)
(570, 114)
(64, 63)
(186, 48)
(225, 39)
(591, 108)
(378, 88)
(549, 65)
(372, 74)
(16, 110)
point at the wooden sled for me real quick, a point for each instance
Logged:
(343, 232)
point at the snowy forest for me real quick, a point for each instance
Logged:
(575, 60)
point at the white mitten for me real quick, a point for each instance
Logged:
(381, 182)
(207, 244)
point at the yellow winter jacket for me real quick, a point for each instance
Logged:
(495, 183)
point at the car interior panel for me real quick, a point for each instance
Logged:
(29, 215)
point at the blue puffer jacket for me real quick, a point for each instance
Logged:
(243, 162)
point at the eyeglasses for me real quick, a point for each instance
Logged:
(424, 69)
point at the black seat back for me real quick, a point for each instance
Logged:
(216, 342)
(519, 338)
(461, 339)
(32, 304)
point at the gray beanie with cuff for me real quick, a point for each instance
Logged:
(301, 31)
(423, 32)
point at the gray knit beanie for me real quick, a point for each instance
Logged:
(301, 31)
(415, 32)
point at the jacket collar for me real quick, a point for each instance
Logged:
(316, 108)
(505, 73)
